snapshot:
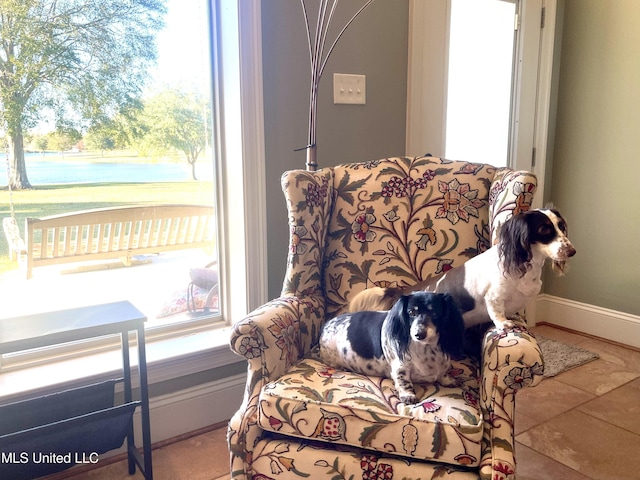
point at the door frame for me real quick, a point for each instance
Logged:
(427, 80)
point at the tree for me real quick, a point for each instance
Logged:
(63, 139)
(40, 142)
(99, 139)
(177, 119)
(121, 131)
(82, 59)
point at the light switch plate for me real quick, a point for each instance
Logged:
(349, 89)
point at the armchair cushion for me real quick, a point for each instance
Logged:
(287, 458)
(315, 401)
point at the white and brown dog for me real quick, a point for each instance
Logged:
(414, 341)
(499, 282)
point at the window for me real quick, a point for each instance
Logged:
(184, 79)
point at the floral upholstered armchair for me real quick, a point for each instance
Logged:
(394, 221)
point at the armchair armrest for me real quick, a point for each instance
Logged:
(271, 339)
(275, 336)
(512, 360)
(511, 192)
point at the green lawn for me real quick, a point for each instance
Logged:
(54, 199)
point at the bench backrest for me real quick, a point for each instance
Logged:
(113, 232)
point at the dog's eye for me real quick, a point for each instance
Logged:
(562, 226)
(413, 312)
(544, 230)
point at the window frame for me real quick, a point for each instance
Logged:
(244, 251)
(239, 177)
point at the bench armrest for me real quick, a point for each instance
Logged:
(512, 360)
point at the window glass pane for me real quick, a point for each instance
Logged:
(479, 80)
(151, 145)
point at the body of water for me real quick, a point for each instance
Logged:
(43, 172)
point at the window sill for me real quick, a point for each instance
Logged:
(166, 359)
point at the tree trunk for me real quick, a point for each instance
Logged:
(19, 180)
(193, 168)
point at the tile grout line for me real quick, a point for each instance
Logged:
(547, 457)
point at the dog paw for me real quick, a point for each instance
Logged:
(447, 381)
(505, 324)
(408, 398)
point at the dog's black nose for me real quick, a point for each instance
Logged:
(421, 335)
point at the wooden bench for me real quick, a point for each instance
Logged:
(119, 233)
(12, 234)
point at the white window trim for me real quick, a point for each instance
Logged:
(242, 166)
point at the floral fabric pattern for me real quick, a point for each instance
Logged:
(291, 458)
(313, 401)
(388, 222)
(408, 219)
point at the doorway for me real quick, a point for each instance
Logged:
(496, 113)
(479, 79)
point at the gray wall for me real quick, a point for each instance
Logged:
(595, 136)
(375, 45)
(595, 160)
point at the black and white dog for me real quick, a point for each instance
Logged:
(414, 341)
(499, 282)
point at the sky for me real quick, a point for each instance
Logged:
(183, 45)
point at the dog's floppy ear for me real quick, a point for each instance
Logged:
(514, 245)
(451, 327)
(397, 326)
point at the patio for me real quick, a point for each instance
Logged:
(157, 286)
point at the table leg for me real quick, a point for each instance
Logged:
(128, 397)
(144, 398)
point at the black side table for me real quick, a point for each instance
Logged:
(44, 329)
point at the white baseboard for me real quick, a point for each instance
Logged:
(195, 408)
(191, 409)
(602, 322)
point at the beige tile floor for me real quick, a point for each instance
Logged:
(582, 424)
(201, 457)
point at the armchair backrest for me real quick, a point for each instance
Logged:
(394, 221)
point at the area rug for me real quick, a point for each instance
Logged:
(560, 357)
